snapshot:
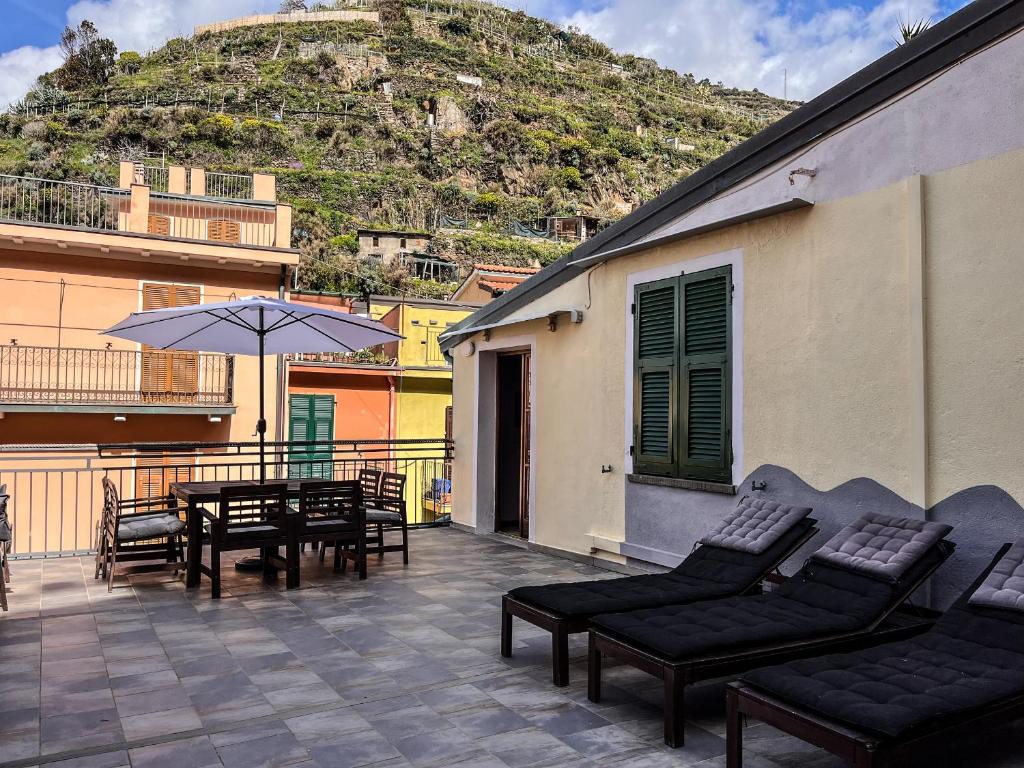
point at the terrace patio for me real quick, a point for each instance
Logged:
(402, 669)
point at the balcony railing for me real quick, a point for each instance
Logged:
(221, 222)
(363, 357)
(63, 203)
(230, 186)
(56, 496)
(41, 375)
(428, 268)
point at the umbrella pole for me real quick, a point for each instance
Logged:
(261, 425)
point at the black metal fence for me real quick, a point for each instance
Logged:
(56, 496)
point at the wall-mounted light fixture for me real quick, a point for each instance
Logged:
(120, 418)
(213, 419)
(468, 349)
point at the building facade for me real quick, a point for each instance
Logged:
(76, 259)
(828, 315)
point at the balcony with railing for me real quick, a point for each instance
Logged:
(225, 209)
(40, 376)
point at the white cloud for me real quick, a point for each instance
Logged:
(138, 25)
(20, 68)
(748, 43)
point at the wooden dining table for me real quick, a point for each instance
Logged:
(194, 495)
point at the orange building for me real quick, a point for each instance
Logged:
(76, 258)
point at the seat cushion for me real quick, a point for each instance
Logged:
(383, 516)
(149, 527)
(968, 660)
(709, 572)
(1004, 585)
(881, 546)
(819, 601)
(755, 525)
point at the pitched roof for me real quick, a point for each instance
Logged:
(500, 286)
(964, 32)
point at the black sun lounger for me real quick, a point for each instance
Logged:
(842, 599)
(732, 560)
(879, 706)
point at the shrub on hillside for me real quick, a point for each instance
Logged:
(220, 129)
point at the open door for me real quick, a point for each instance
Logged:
(512, 459)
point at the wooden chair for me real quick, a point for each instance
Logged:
(252, 517)
(388, 513)
(138, 531)
(6, 535)
(369, 481)
(332, 512)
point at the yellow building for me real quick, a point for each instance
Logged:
(827, 315)
(401, 391)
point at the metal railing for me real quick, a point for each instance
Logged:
(156, 177)
(230, 186)
(222, 222)
(100, 376)
(429, 268)
(433, 354)
(63, 203)
(56, 496)
(372, 356)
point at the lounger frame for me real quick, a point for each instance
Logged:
(859, 748)
(561, 626)
(891, 626)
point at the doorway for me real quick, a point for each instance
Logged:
(512, 445)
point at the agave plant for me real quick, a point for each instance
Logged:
(911, 29)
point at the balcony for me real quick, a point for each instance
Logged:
(142, 207)
(61, 376)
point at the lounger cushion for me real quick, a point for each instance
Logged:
(819, 601)
(968, 660)
(708, 572)
(1004, 585)
(755, 525)
(150, 527)
(881, 546)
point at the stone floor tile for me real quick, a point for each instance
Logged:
(193, 753)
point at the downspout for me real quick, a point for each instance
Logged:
(282, 383)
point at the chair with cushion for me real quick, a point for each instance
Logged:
(139, 531)
(6, 537)
(387, 513)
(332, 512)
(842, 598)
(252, 517)
(733, 559)
(880, 706)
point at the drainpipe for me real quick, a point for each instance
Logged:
(282, 382)
(392, 408)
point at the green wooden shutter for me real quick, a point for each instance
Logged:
(705, 450)
(656, 354)
(311, 418)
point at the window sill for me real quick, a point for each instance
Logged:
(688, 485)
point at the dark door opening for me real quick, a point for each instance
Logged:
(512, 470)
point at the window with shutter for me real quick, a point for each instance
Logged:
(169, 375)
(224, 231)
(682, 369)
(154, 474)
(159, 225)
(311, 419)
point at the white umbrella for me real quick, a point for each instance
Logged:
(255, 325)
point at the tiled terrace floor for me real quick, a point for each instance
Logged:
(402, 669)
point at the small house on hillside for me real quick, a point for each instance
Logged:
(387, 244)
(827, 315)
(489, 281)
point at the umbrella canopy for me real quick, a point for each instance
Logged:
(255, 325)
(237, 327)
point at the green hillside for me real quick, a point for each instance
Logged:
(371, 125)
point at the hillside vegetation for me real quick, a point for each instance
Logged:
(372, 125)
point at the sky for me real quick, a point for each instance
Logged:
(794, 48)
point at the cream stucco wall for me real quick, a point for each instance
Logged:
(828, 369)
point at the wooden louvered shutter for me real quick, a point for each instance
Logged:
(656, 349)
(224, 231)
(159, 225)
(154, 474)
(311, 419)
(169, 373)
(705, 451)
